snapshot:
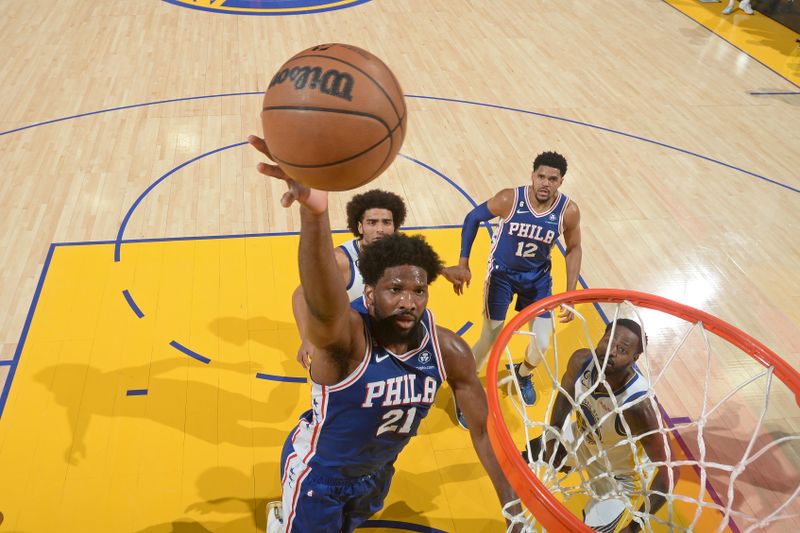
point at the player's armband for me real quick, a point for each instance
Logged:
(470, 227)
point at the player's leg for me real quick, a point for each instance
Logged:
(309, 505)
(730, 7)
(530, 288)
(490, 330)
(366, 498)
(275, 511)
(497, 295)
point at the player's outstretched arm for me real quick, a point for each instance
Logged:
(300, 312)
(459, 365)
(573, 253)
(499, 205)
(330, 324)
(643, 420)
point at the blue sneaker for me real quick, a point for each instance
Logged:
(526, 386)
(459, 415)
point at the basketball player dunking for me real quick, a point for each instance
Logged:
(532, 217)
(610, 464)
(374, 376)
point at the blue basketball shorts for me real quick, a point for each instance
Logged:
(317, 504)
(502, 284)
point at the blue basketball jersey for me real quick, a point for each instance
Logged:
(524, 238)
(362, 423)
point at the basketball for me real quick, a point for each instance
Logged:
(334, 117)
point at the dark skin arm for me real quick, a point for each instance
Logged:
(573, 253)
(562, 406)
(300, 311)
(459, 365)
(642, 420)
(331, 325)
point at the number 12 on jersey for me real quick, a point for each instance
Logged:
(526, 249)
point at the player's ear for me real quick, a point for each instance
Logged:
(369, 293)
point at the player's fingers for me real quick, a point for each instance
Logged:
(259, 144)
(287, 199)
(273, 171)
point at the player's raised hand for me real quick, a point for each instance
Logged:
(312, 199)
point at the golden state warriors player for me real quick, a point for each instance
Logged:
(370, 217)
(610, 463)
(374, 375)
(532, 217)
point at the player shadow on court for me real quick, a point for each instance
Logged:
(262, 420)
(260, 329)
(224, 506)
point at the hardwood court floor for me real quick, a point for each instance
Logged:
(687, 183)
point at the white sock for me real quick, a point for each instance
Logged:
(489, 332)
(542, 329)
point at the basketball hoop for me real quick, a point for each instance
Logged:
(687, 329)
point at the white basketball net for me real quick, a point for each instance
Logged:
(737, 456)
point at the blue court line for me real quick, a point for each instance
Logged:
(152, 186)
(25, 328)
(132, 304)
(609, 130)
(774, 94)
(136, 392)
(455, 185)
(468, 102)
(119, 240)
(132, 106)
(233, 236)
(309, 11)
(287, 379)
(394, 524)
(452, 100)
(178, 346)
(680, 420)
(730, 43)
(464, 328)
(7, 362)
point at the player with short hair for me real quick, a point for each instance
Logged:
(629, 416)
(374, 376)
(532, 217)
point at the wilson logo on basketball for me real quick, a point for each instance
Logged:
(332, 82)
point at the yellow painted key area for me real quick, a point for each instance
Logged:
(112, 425)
